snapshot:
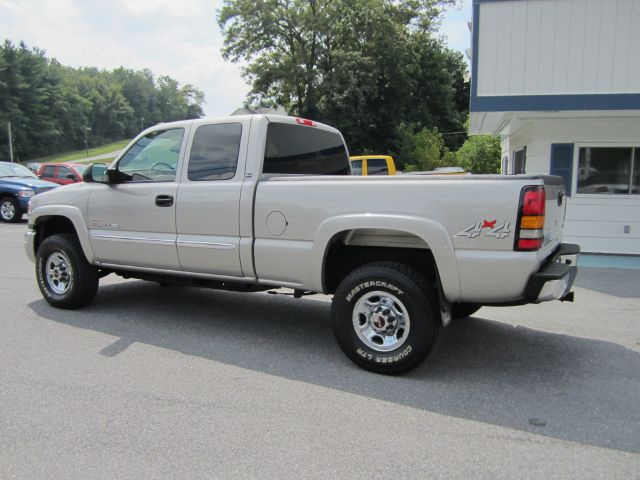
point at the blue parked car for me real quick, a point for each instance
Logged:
(17, 185)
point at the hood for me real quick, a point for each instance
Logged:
(33, 183)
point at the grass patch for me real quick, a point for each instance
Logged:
(107, 160)
(80, 155)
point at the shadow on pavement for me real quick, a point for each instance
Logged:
(559, 386)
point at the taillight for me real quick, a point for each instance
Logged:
(530, 234)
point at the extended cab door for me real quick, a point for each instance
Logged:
(133, 222)
(208, 212)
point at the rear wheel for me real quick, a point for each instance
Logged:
(65, 278)
(10, 210)
(384, 317)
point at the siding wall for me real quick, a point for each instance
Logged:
(596, 222)
(544, 47)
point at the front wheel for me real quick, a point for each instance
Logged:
(10, 210)
(384, 317)
(65, 278)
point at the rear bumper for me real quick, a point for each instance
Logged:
(556, 277)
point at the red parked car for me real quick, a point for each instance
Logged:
(61, 173)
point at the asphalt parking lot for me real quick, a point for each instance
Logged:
(193, 383)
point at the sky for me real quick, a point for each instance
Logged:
(176, 38)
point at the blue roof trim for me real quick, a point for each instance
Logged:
(545, 103)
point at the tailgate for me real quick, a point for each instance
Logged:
(555, 206)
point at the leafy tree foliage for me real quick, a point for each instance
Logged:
(372, 68)
(51, 107)
(480, 154)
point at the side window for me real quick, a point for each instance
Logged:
(64, 171)
(153, 158)
(356, 167)
(49, 171)
(377, 166)
(214, 152)
(303, 150)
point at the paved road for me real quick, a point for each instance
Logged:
(102, 157)
(192, 383)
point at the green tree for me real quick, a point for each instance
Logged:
(480, 154)
(425, 150)
(52, 107)
(364, 66)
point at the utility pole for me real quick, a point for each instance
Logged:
(86, 139)
(141, 123)
(10, 142)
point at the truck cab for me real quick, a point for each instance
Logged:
(372, 165)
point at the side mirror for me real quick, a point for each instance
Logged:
(71, 176)
(96, 173)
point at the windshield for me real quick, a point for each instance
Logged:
(15, 170)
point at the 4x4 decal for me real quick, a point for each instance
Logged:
(488, 228)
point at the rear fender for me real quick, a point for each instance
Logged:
(432, 233)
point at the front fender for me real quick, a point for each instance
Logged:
(432, 233)
(71, 213)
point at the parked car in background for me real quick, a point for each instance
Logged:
(372, 165)
(61, 173)
(33, 166)
(17, 185)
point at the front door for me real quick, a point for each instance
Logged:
(133, 222)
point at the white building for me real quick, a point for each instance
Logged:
(559, 81)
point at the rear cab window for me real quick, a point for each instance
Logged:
(377, 166)
(304, 150)
(356, 167)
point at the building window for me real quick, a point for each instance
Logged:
(608, 170)
(520, 161)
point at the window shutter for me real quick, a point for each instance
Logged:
(562, 163)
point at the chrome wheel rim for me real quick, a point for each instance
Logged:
(58, 273)
(7, 210)
(381, 321)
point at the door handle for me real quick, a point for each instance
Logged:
(164, 200)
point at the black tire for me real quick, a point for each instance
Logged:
(464, 310)
(405, 288)
(76, 282)
(10, 210)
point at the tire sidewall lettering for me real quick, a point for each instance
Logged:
(391, 358)
(372, 284)
(44, 287)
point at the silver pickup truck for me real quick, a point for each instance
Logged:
(250, 203)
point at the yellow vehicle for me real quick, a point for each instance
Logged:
(372, 165)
